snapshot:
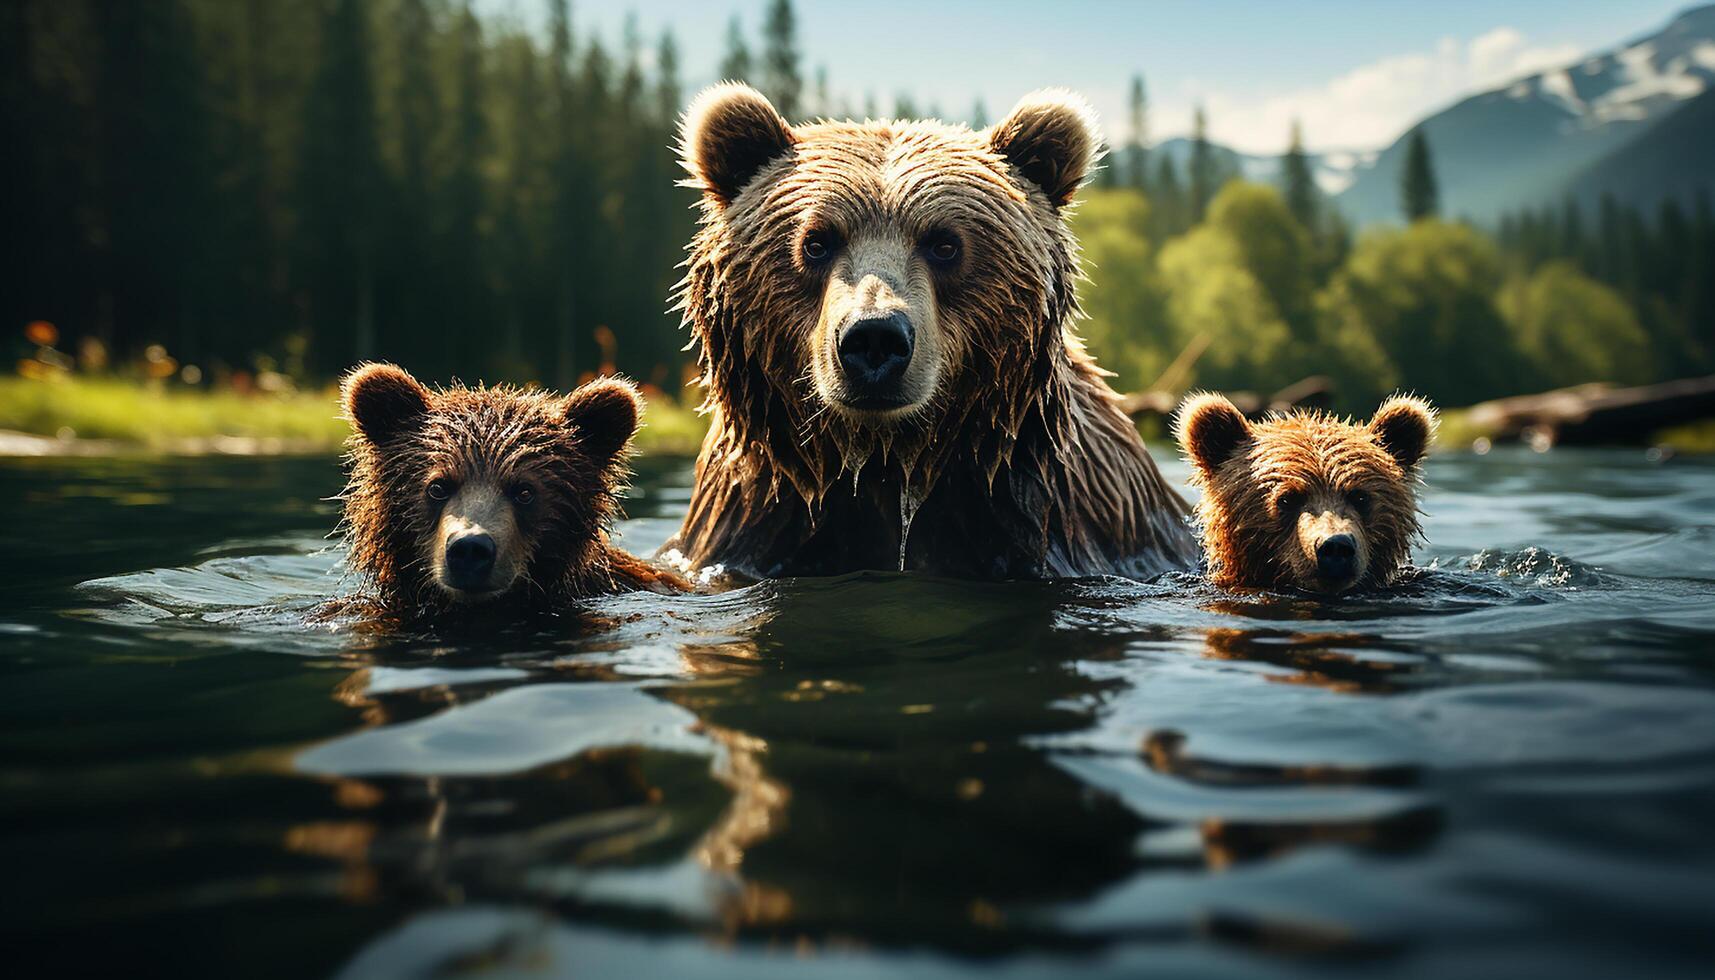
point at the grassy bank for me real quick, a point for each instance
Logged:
(136, 415)
(133, 414)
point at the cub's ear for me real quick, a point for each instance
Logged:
(383, 402)
(1052, 138)
(1210, 430)
(1404, 425)
(604, 414)
(730, 132)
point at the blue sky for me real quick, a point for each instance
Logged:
(1356, 73)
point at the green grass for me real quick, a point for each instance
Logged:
(178, 419)
(158, 417)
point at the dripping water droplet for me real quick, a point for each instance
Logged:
(909, 501)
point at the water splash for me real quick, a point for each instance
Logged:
(909, 502)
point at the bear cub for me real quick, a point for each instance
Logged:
(495, 496)
(1307, 501)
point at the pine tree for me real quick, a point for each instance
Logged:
(667, 94)
(781, 80)
(339, 184)
(735, 64)
(1137, 138)
(570, 201)
(1697, 292)
(1297, 183)
(979, 114)
(1167, 211)
(1202, 167)
(464, 202)
(1419, 195)
(416, 111)
(824, 107)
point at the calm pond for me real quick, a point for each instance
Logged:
(1506, 768)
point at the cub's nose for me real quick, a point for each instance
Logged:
(875, 351)
(470, 559)
(1337, 558)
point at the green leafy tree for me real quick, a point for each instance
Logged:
(1572, 329)
(1126, 323)
(1420, 196)
(1212, 296)
(1273, 247)
(1414, 307)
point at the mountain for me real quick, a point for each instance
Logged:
(1523, 144)
(1334, 170)
(1674, 158)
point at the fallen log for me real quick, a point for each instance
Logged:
(1595, 414)
(1314, 392)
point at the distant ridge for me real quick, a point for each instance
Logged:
(1545, 135)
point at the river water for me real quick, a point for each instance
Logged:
(1504, 768)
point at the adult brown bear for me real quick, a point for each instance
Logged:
(884, 316)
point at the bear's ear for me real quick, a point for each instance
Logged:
(1210, 430)
(604, 414)
(730, 132)
(1404, 425)
(383, 401)
(1052, 138)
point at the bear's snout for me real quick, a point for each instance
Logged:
(874, 353)
(1337, 559)
(470, 561)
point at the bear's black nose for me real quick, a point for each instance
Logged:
(874, 353)
(470, 559)
(1337, 558)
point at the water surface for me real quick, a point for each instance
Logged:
(1505, 768)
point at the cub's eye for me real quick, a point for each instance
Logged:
(1289, 503)
(1359, 499)
(523, 496)
(818, 247)
(943, 248)
(440, 489)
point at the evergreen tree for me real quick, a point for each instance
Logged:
(569, 197)
(1137, 137)
(824, 107)
(462, 272)
(979, 115)
(1419, 195)
(667, 94)
(412, 299)
(1168, 213)
(339, 185)
(1202, 167)
(781, 80)
(1697, 292)
(735, 64)
(1297, 183)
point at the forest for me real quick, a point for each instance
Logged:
(215, 191)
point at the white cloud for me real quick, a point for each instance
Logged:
(1371, 105)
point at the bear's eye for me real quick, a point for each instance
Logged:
(942, 247)
(1288, 504)
(1360, 500)
(523, 495)
(440, 489)
(819, 247)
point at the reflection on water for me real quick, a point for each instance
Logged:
(1505, 766)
